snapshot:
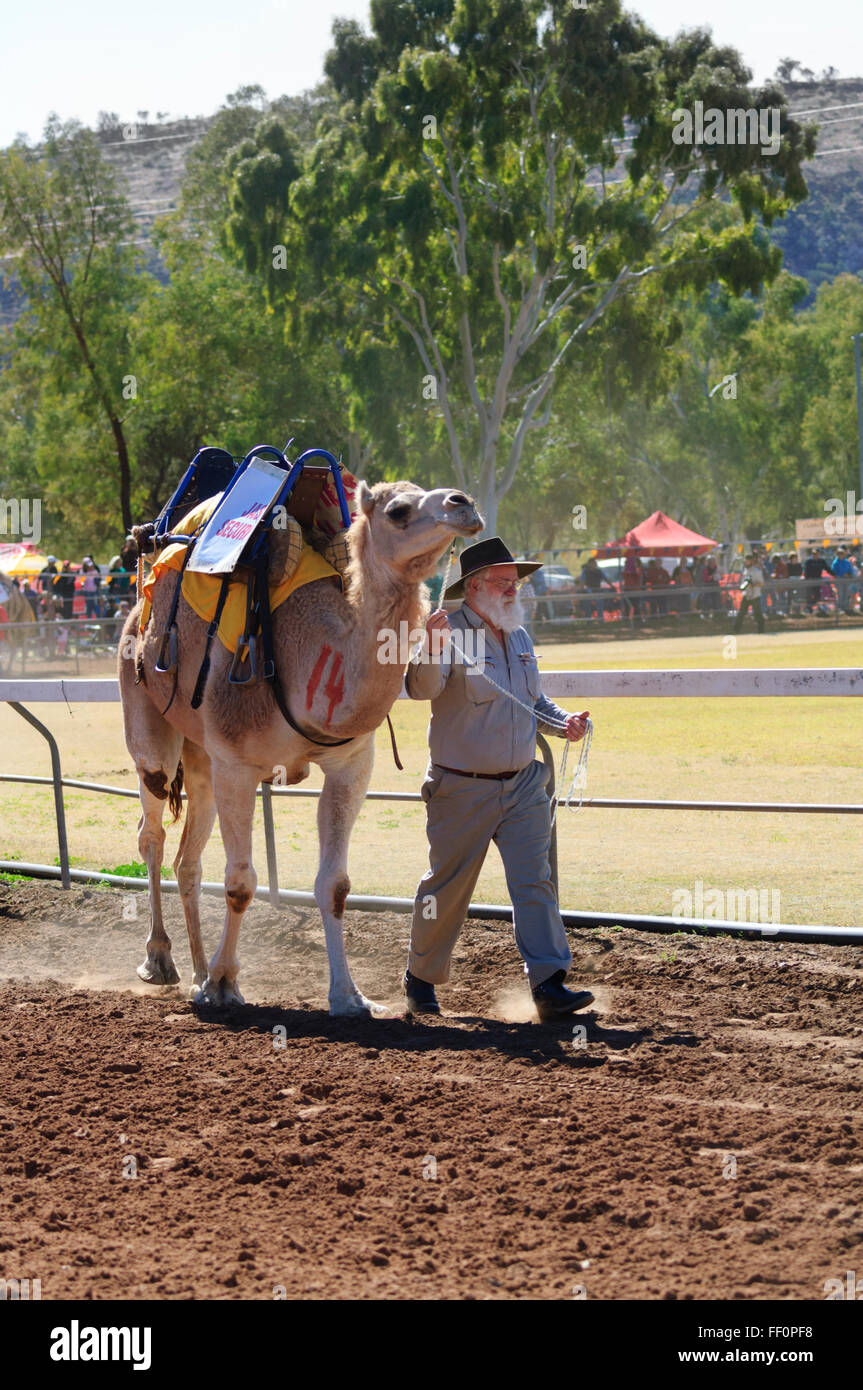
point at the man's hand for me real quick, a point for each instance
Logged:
(576, 725)
(438, 631)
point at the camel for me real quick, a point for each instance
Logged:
(327, 646)
(18, 610)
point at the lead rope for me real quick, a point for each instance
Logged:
(441, 598)
(579, 777)
(442, 595)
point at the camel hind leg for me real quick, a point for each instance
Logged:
(200, 816)
(155, 788)
(155, 748)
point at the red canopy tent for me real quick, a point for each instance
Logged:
(658, 535)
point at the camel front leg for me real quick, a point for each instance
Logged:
(235, 787)
(158, 968)
(346, 780)
(200, 815)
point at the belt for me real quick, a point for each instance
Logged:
(492, 776)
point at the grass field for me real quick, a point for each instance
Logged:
(805, 749)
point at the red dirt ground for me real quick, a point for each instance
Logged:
(607, 1169)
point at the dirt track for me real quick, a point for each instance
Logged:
(608, 1166)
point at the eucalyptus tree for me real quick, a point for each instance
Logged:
(67, 237)
(499, 175)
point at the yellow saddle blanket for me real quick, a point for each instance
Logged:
(201, 591)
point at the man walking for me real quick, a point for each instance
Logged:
(483, 782)
(64, 583)
(593, 580)
(750, 594)
(814, 567)
(844, 571)
(795, 571)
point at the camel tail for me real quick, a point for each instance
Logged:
(175, 795)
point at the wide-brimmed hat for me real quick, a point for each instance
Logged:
(487, 554)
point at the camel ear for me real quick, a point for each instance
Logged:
(366, 500)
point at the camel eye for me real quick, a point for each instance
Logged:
(399, 512)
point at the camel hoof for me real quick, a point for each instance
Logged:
(218, 994)
(158, 970)
(357, 1006)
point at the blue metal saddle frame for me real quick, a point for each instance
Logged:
(213, 470)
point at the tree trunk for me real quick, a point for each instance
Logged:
(116, 425)
(125, 477)
(487, 504)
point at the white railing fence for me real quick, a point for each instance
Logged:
(722, 682)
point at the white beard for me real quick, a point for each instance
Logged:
(506, 614)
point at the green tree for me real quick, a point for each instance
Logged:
(215, 369)
(803, 367)
(500, 175)
(206, 185)
(757, 425)
(205, 198)
(65, 224)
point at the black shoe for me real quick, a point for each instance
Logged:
(420, 995)
(553, 1000)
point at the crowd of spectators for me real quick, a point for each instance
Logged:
(662, 589)
(107, 592)
(648, 588)
(645, 589)
(771, 576)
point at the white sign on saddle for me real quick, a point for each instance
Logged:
(224, 537)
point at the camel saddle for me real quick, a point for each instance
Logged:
(294, 491)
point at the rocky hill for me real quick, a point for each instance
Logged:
(151, 160)
(820, 239)
(824, 235)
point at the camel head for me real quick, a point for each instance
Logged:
(404, 530)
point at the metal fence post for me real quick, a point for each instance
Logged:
(57, 776)
(270, 838)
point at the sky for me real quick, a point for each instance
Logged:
(183, 57)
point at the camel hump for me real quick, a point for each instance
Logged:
(334, 550)
(285, 544)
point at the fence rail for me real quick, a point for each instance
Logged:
(711, 682)
(781, 598)
(57, 639)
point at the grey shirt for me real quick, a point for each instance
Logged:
(475, 728)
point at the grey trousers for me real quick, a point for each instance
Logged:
(464, 814)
